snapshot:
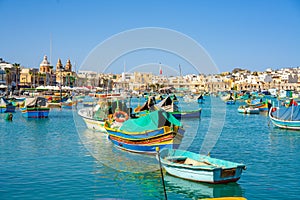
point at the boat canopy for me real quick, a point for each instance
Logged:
(4, 102)
(152, 121)
(149, 105)
(36, 101)
(291, 113)
(168, 105)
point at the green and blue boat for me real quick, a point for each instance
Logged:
(35, 108)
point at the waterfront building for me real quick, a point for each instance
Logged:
(28, 77)
(64, 75)
(86, 78)
(9, 75)
(45, 75)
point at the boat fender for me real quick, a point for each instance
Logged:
(120, 116)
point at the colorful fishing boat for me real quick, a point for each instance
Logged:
(35, 108)
(254, 102)
(143, 134)
(95, 117)
(148, 146)
(230, 102)
(6, 106)
(67, 104)
(187, 114)
(200, 168)
(263, 107)
(287, 118)
(168, 105)
(248, 109)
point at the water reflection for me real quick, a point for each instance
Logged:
(202, 190)
(109, 155)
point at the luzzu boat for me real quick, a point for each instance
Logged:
(230, 102)
(168, 105)
(35, 108)
(254, 102)
(187, 114)
(67, 104)
(287, 118)
(200, 168)
(248, 110)
(6, 106)
(148, 145)
(144, 134)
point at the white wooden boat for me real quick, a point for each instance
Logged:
(92, 122)
(201, 168)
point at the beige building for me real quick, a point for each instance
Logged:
(64, 75)
(45, 66)
(28, 77)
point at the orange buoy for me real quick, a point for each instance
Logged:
(120, 116)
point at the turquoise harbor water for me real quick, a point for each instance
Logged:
(58, 158)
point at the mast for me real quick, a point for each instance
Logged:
(50, 49)
(292, 101)
(180, 70)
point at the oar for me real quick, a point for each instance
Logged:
(161, 172)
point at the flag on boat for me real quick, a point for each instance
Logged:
(292, 103)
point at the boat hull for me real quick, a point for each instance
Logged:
(91, 123)
(135, 136)
(187, 114)
(286, 124)
(147, 146)
(202, 175)
(230, 102)
(200, 168)
(7, 108)
(35, 112)
(248, 110)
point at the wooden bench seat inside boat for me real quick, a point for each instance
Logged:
(193, 162)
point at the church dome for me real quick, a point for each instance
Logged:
(45, 62)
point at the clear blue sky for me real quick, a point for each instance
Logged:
(247, 34)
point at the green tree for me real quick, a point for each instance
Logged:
(7, 79)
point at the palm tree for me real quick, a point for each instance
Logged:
(152, 86)
(38, 78)
(8, 79)
(45, 78)
(31, 80)
(69, 81)
(51, 72)
(17, 75)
